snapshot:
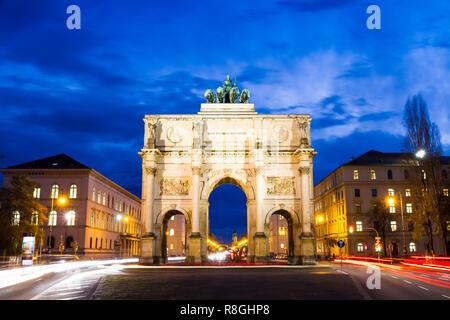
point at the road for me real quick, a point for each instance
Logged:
(321, 282)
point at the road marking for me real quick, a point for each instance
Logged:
(394, 277)
(446, 296)
(408, 282)
(423, 288)
(342, 271)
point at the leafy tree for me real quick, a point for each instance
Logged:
(426, 181)
(18, 198)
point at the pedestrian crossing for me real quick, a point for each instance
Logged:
(79, 286)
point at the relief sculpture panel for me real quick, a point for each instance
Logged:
(175, 186)
(280, 185)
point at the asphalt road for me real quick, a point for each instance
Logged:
(321, 282)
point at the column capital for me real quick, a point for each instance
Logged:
(195, 170)
(304, 170)
(150, 170)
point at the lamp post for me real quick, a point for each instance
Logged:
(61, 200)
(392, 201)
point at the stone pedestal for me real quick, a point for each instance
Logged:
(148, 254)
(307, 256)
(261, 255)
(194, 250)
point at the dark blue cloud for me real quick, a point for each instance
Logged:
(85, 92)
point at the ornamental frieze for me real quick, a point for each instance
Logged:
(175, 186)
(280, 185)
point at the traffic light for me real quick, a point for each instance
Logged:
(378, 247)
(377, 239)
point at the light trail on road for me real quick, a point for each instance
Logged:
(400, 270)
(18, 275)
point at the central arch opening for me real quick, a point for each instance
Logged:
(227, 236)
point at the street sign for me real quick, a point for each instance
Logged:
(341, 243)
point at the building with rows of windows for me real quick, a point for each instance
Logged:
(347, 200)
(98, 217)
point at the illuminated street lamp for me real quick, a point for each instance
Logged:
(61, 201)
(391, 201)
(421, 153)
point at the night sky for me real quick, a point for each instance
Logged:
(85, 92)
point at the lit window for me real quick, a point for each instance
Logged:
(409, 208)
(99, 196)
(37, 192)
(391, 192)
(282, 246)
(359, 226)
(360, 247)
(281, 231)
(93, 194)
(16, 218)
(70, 217)
(358, 208)
(445, 192)
(120, 206)
(55, 191)
(412, 247)
(171, 246)
(34, 218)
(104, 199)
(408, 192)
(281, 217)
(373, 176)
(172, 232)
(52, 218)
(391, 208)
(172, 218)
(73, 191)
(393, 226)
(93, 218)
(355, 175)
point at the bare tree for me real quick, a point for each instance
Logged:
(425, 181)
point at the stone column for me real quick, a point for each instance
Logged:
(149, 196)
(260, 238)
(195, 238)
(306, 237)
(196, 200)
(148, 254)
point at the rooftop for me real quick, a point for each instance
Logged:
(60, 161)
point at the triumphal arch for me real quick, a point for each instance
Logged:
(186, 156)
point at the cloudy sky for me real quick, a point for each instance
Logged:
(85, 92)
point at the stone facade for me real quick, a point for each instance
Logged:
(347, 196)
(269, 157)
(106, 217)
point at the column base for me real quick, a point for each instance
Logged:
(261, 255)
(194, 252)
(307, 249)
(148, 256)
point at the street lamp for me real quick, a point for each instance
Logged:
(391, 200)
(421, 153)
(61, 201)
